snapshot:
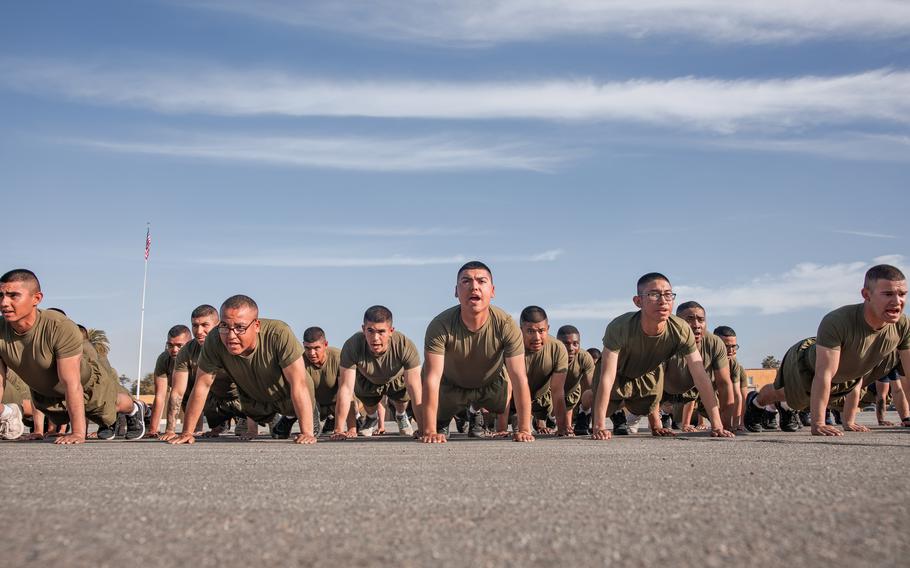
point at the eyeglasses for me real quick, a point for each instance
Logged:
(238, 329)
(656, 296)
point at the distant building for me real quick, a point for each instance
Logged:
(760, 377)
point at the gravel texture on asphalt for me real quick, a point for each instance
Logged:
(760, 500)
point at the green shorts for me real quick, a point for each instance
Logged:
(219, 410)
(639, 396)
(99, 395)
(573, 397)
(453, 398)
(795, 376)
(16, 392)
(541, 407)
(370, 394)
(263, 411)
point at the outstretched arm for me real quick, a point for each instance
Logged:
(608, 363)
(432, 376)
(706, 393)
(518, 376)
(343, 403)
(194, 408)
(295, 373)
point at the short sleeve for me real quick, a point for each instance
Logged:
(68, 340)
(512, 343)
(435, 338)
(160, 365)
(832, 332)
(561, 361)
(409, 356)
(614, 336)
(210, 358)
(687, 344)
(183, 359)
(903, 327)
(348, 352)
(287, 349)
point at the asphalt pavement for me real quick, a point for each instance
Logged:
(766, 499)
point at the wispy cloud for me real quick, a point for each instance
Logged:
(806, 285)
(486, 22)
(690, 102)
(347, 153)
(866, 234)
(294, 259)
(842, 146)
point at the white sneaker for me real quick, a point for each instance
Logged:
(12, 427)
(633, 421)
(404, 425)
(369, 425)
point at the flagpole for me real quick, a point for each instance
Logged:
(148, 242)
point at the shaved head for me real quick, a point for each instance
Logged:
(24, 276)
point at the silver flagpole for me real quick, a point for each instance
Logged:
(148, 245)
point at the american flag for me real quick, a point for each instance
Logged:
(148, 241)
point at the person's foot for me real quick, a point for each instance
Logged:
(240, 428)
(442, 429)
(829, 420)
(281, 428)
(369, 425)
(837, 418)
(404, 425)
(135, 422)
(476, 430)
(789, 421)
(633, 421)
(620, 427)
(666, 421)
(550, 422)
(105, 432)
(753, 416)
(769, 420)
(805, 418)
(329, 425)
(460, 423)
(582, 423)
(12, 426)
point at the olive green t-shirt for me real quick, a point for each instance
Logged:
(472, 358)
(164, 365)
(582, 367)
(738, 374)
(640, 354)
(324, 379)
(861, 348)
(259, 375)
(401, 356)
(187, 360)
(678, 379)
(33, 355)
(541, 365)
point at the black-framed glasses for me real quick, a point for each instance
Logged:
(238, 329)
(656, 296)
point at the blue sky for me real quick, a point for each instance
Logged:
(323, 157)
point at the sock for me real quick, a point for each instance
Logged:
(632, 417)
(770, 408)
(583, 411)
(784, 406)
(374, 414)
(471, 410)
(7, 411)
(400, 414)
(135, 409)
(755, 403)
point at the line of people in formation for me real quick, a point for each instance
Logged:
(494, 377)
